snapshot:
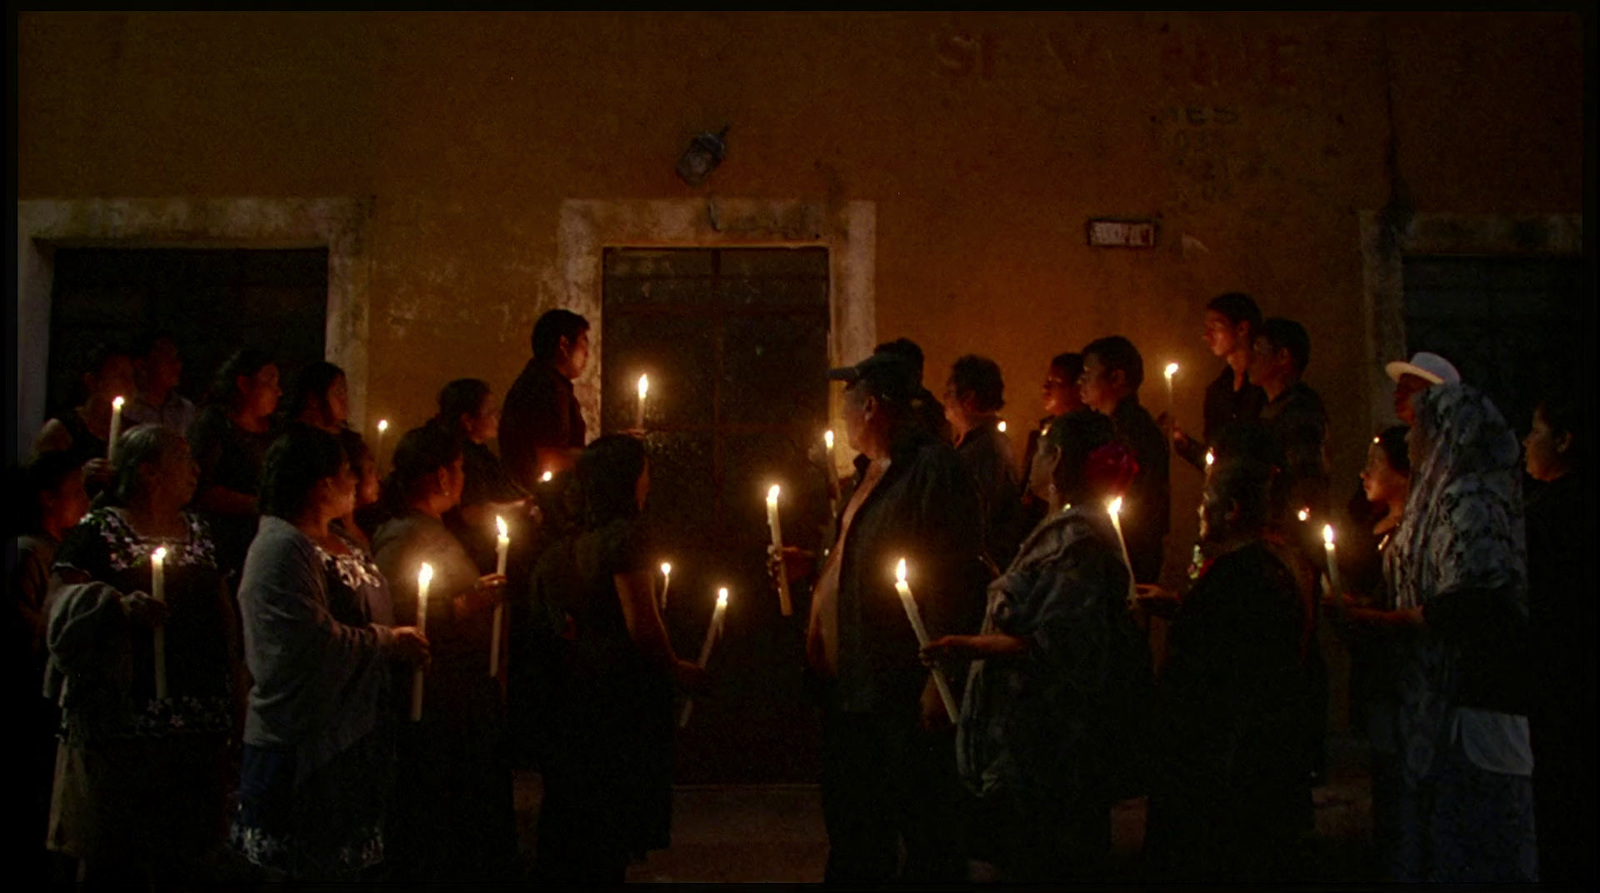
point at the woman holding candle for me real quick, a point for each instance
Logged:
(1046, 720)
(453, 818)
(608, 713)
(230, 439)
(318, 739)
(142, 782)
(468, 407)
(84, 431)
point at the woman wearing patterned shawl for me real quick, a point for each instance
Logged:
(1456, 571)
(1055, 668)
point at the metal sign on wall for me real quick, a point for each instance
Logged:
(1110, 232)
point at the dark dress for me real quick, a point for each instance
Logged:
(229, 457)
(453, 818)
(608, 766)
(140, 780)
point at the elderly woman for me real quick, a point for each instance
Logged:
(454, 820)
(318, 744)
(141, 777)
(1056, 666)
(1459, 609)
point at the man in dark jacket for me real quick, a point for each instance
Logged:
(1232, 398)
(1294, 417)
(973, 397)
(541, 426)
(1112, 373)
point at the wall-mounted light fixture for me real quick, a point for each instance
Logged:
(705, 152)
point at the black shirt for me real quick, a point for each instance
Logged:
(987, 453)
(1298, 424)
(1224, 407)
(541, 411)
(1147, 506)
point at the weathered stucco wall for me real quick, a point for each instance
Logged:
(984, 140)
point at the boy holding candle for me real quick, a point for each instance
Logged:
(542, 427)
(1113, 370)
(1233, 397)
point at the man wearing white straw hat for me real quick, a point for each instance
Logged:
(1423, 371)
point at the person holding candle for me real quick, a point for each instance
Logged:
(605, 708)
(1295, 419)
(143, 781)
(1230, 786)
(318, 760)
(84, 431)
(454, 819)
(1046, 721)
(1231, 323)
(467, 407)
(973, 397)
(1112, 374)
(158, 370)
(230, 439)
(543, 428)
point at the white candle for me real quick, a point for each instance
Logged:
(666, 582)
(1211, 459)
(1115, 509)
(502, 543)
(713, 630)
(377, 445)
(424, 577)
(915, 616)
(158, 591)
(833, 475)
(776, 527)
(547, 477)
(116, 429)
(644, 390)
(1304, 514)
(1333, 559)
(1002, 427)
(1171, 370)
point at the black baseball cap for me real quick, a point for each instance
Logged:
(887, 376)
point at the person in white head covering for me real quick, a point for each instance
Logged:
(1422, 371)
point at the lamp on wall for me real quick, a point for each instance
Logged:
(705, 152)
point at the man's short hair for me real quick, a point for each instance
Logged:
(906, 348)
(980, 377)
(1238, 307)
(1070, 364)
(1286, 334)
(1118, 353)
(552, 327)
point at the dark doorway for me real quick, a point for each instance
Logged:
(735, 342)
(212, 301)
(1513, 326)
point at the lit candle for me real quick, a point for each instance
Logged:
(833, 475)
(1171, 370)
(547, 476)
(377, 446)
(424, 577)
(502, 544)
(1211, 459)
(712, 632)
(158, 591)
(666, 582)
(644, 390)
(1333, 559)
(1115, 509)
(1002, 427)
(773, 523)
(915, 616)
(1304, 514)
(116, 429)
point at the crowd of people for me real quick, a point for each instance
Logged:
(222, 644)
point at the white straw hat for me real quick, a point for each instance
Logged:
(1428, 366)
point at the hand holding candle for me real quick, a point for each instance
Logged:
(158, 591)
(915, 616)
(116, 429)
(666, 582)
(644, 391)
(502, 544)
(1171, 370)
(712, 632)
(424, 577)
(776, 527)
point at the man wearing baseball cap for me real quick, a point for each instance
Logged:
(1422, 372)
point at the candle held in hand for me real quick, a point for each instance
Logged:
(502, 545)
(158, 591)
(644, 391)
(1114, 508)
(915, 616)
(784, 603)
(1333, 560)
(116, 429)
(666, 582)
(377, 446)
(1171, 370)
(712, 632)
(424, 577)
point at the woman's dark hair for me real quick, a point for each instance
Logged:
(419, 455)
(1393, 443)
(1561, 411)
(464, 396)
(225, 387)
(309, 388)
(94, 363)
(1077, 434)
(608, 473)
(1246, 483)
(44, 473)
(980, 377)
(1071, 366)
(138, 446)
(296, 461)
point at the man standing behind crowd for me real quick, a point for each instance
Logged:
(888, 761)
(157, 372)
(541, 425)
(1112, 373)
(973, 397)
(1232, 321)
(1293, 416)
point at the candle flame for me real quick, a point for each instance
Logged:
(547, 476)
(827, 438)
(1327, 535)
(1172, 369)
(666, 568)
(500, 525)
(900, 571)
(1115, 507)
(383, 425)
(1377, 440)
(1305, 514)
(425, 574)
(1002, 427)
(722, 597)
(116, 403)
(159, 555)
(772, 494)
(1211, 458)
(644, 386)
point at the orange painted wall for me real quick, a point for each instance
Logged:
(986, 140)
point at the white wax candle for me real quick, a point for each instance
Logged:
(833, 474)
(776, 527)
(1171, 370)
(666, 582)
(713, 630)
(424, 577)
(502, 543)
(1333, 560)
(158, 591)
(377, 444)
(1211, 459)
(915, 616)
(644, 391)
(1115, 509)
(1002, 427)
(116, 429)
